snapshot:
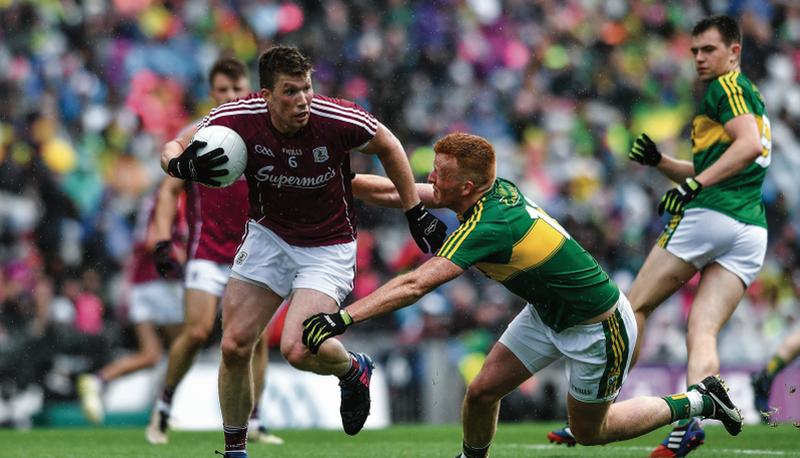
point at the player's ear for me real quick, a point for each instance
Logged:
(265, 93)
(467, 187)
(736, 49)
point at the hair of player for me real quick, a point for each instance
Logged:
(229, 66)
(727, 26)
(474, 156)
(281, 60)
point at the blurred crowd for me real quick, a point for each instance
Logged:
(91, 89)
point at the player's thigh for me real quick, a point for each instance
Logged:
(599, 355)
(329, 270)
(525, 344)
(661, 275)
(200, 309)
(302, 304)
(246, 309)
(718, 294)
(501, 373)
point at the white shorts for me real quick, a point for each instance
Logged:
(208, 276)
(157, 301)
(598, 355)
(267, 260)
(701, 236)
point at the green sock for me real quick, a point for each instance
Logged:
(775, 365)
(684, 406)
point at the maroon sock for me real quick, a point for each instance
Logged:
(166, 394)
(235, 438)
(353, 372)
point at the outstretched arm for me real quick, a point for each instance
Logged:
(391, 154)
(428, 231)
(405, 289)
(380, 191)
(397, 293)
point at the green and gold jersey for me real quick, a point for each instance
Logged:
(511, 240)
(739, 196)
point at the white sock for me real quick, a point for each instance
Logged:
(695, 403)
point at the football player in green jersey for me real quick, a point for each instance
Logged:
(574, 310)
(718, 225)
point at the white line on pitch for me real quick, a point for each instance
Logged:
(736, 451)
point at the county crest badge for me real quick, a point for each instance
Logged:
(320, 154)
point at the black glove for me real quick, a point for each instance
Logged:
(322, 326)
(644, 151)
(166, 265)
(676, 198)
(189, 166)
(428, 231)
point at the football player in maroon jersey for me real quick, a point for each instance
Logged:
(216, 220)
(153, 302)
(299, 243)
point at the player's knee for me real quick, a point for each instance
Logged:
(151, 357)
(297, 355)
(236, 349)
(481, 394)
(198, 334)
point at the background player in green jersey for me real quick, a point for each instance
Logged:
(718, 227)
(574, 310)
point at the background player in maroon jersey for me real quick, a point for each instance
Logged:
(154, 306)
(216, 220)
(300, 240)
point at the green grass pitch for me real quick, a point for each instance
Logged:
(513, 440)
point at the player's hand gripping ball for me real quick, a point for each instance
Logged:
(216, 157)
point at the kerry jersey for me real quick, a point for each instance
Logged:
(511, 240)
(739, 196)
(299, 185)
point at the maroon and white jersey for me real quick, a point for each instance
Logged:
(299, 185)
(216, 218)
(142, 268)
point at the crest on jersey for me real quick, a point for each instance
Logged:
(261, 149)
(320, 154)
(241, 257)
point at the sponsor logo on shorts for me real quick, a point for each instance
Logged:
(241, 257)
(583, 391)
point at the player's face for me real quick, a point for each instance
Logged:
(712, 57)
(448, 187)
(224, 88)
(289, 102)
